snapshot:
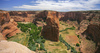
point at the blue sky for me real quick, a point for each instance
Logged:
(56, 5)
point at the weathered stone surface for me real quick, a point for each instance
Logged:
(10, 29)
(2, 37)
(18, 13)
(13, 47)
(83, 26)
(73, 16)
(81, 15)
(93, 33)
(40, 24)
(23, 16)
(18, 18)
(51, 30)
(4, 17)
(42, 15)
(28, 19)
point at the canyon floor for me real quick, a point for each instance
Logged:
(54, 47)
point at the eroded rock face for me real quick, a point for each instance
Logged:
(73, 16)
(23, 16)
(13, 47)
(16, 13)
(93, 33)
(8, 27)
(4, 17)
(93, 16)
(83, 26)
(51, 30)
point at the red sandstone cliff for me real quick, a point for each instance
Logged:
(51, 30)
(93, 33)
(8, 27)
(82, 15)
(73, 16)
(4, 17)
(23, 16)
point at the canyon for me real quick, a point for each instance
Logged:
(86, 23)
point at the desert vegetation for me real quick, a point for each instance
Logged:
(66, 44)
(33, 39)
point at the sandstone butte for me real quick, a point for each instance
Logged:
(8, 27)
(51, 30)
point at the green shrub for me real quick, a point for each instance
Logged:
(78, 36)
(72, 28)
(77, 44)
(73, 50)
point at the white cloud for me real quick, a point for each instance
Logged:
(61, 5)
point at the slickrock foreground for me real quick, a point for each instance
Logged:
(13, 47)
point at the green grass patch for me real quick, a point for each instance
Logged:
(21, 38)
(72, 28)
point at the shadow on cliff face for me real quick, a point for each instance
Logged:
(93, 33)
(51, 30)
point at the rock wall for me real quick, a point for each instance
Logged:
(73, 16)
(51, 30)
(4, 17)
(8, 27)
(23, 16)
(93, 16)
(93, 33)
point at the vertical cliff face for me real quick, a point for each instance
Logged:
(93, 16)
(73, 16)
(93, 33)
(51, 30)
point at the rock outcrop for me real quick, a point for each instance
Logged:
(83, 26)
(51, 30)
(4, 17)
(93, 33)
(8, 27)
(23, 16)
(13, 47)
